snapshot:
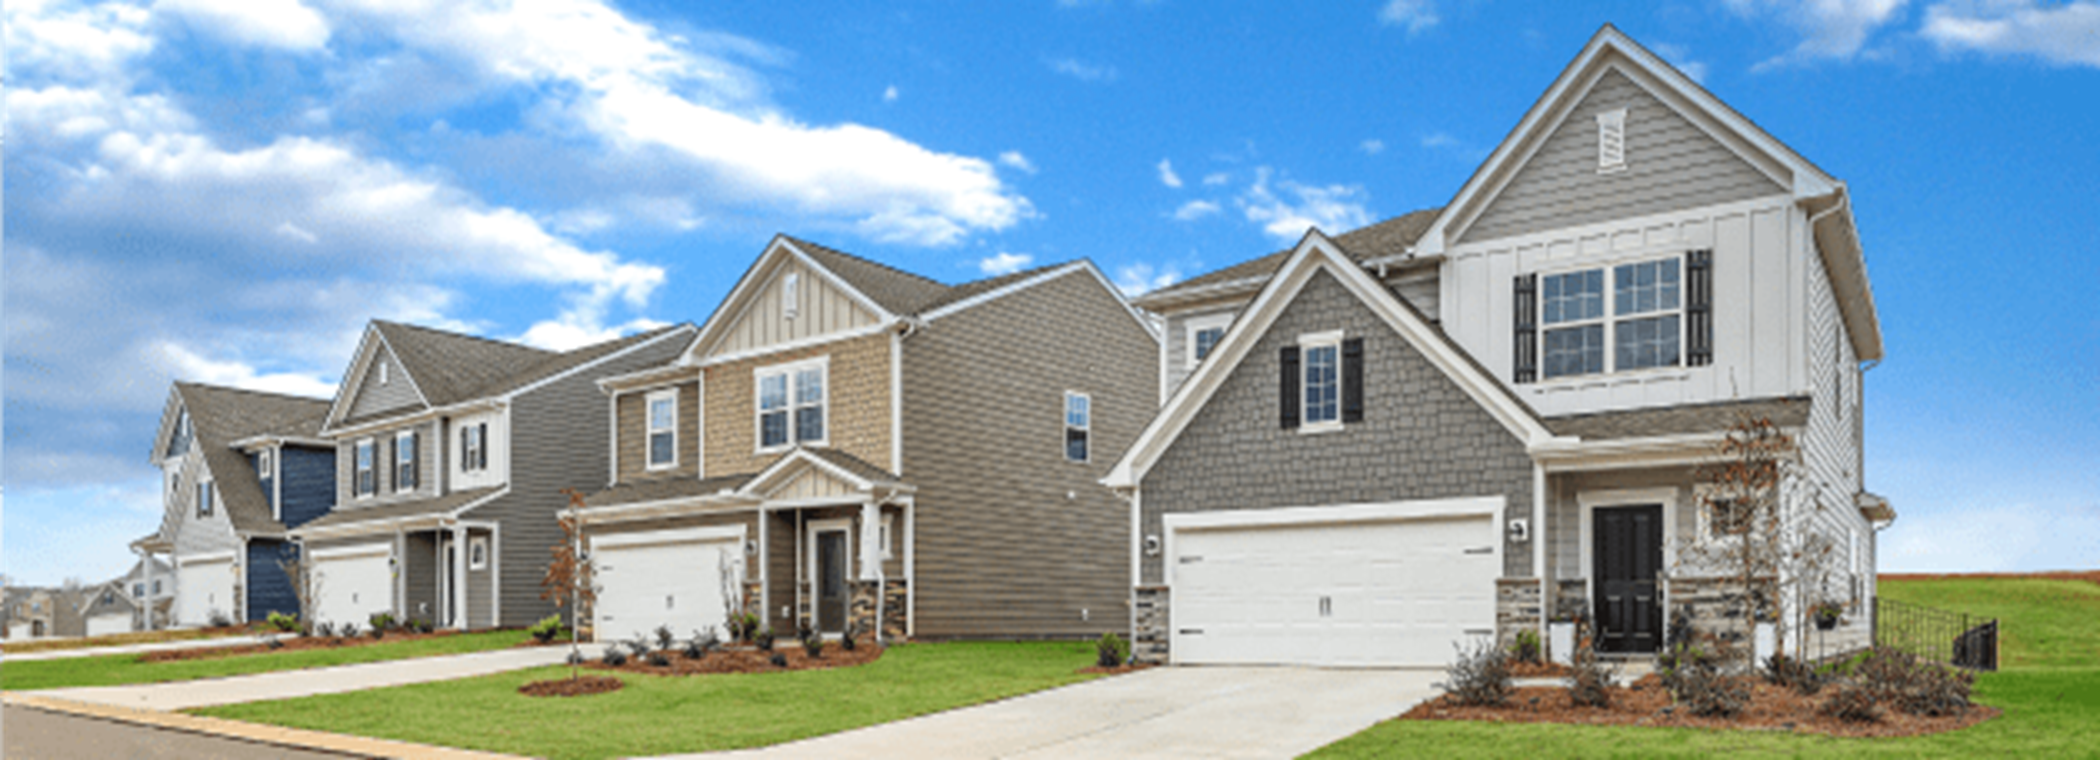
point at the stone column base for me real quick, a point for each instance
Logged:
(1149, 642)
(1518, 607)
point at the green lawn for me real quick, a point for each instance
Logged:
(112, 670)
(658, 714)
(2049, 689)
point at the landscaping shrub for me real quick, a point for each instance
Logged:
(381, 621)
(1792, 673)
(1589, 679)
(545, 630)
(700, 644)
(421, 625)
(814, 646)
(220, 619)
(779, 660)
(272, 642)
(1479, 677)
(1897, 678)
(743, 626)
(378, 632)
(846, 641)
(323, 630)
(658, 659)
(1851, 703)
(574, 658)
(614, 656)
(664, 637)
(764, 639)
(1526, 648)
(284, 622)
(348, 630)
(1697, 679)
(1111, 650)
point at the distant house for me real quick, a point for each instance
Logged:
(36, 613)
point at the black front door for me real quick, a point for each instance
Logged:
(831, 581)
(1627, 551)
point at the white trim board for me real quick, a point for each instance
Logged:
(738, 301)
(1588, 502)
(672, 536)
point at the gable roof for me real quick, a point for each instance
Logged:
(450, 368)
(898, 291)
(220, 416)
(1391, 237)
(1316, 253)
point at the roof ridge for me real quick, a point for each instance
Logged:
(248, 391)
(864, 260)
(464, 336)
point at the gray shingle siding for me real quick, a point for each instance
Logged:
(1422, 437)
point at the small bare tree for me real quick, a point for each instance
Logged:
(1760, 540)
(306, 586)
(570, 578)
(730, 569)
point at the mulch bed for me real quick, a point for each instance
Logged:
(1117, 670)
(577, 687)
(748, 659)
(1647, 703)
(1538, 670)
(289, 644)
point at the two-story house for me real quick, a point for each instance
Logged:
(449, 454)
(844, 442)
(1464, 420)
(238, 468)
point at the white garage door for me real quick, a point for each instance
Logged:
(670, 577)
(1387, 585)
(206, 587)
(352, 583)
(104, 625)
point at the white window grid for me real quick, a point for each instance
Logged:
(1607, 312)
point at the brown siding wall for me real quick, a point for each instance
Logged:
(1012, 540)
(634, 433)
(858, 419)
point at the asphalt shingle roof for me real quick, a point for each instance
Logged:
(219, 416)
(898, 291)
(665, 489)
(1680, 420)
(345, 515)
(1385, 238)
(450, 368)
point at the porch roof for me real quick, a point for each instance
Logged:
(1787, 412)
(666, 489)
(389, 513)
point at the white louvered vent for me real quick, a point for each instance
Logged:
(1611, 140)
(787, 294)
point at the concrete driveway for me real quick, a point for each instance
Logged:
(287, 684)
(1180, 712)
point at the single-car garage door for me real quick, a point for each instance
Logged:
(1391, 585)
(663, 578)
(351, 583)
(206, 587)
(104, 625)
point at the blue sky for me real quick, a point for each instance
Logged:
(227, 191)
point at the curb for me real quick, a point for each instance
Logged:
(356, 746)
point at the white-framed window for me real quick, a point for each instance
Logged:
(887, 538)
(1611, 140)
(156, 587)
(1642, 319)
(204, 504)
(473, 447)
(791, 403)
(790, 302)
(1723, 517)
(1079, 424)
(138, 590)
(478, 553)
(662, 409)
(1320, 386)
(404, 461)
(367, 479)
(262, 465)
(1204, 333)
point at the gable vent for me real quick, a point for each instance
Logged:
(1611, 140)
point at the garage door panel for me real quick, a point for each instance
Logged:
(205, 587)
(350, 588)
(1398, 592)
(666, 584)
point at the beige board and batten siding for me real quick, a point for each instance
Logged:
(1758, 304)
(559, 439)
(1670, 164)
(820, 309)
(375, 397)
(633, 450)
(857, 411)
(1011, 539)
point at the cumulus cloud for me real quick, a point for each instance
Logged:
(2066, 35)
(1004, 263)
(889, 94)
(1141, 278)
(1372, 147)
(1215, 179)
(1193, 210)
(184, 363)
(283, 24)
(1014, 159)
(1829, 29)
(1082, 71)
(1287, 209)
(1166, 174)
(1413, 15)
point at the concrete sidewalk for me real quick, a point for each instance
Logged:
(287, 684)
(157, 646)
(1179, 712)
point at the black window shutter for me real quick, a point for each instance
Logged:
(1289, 385)
(1353, 380)
(1526, 319)
(481, 458)
(415, 444)
(1699, 308)
(466, 454)
(393, 464)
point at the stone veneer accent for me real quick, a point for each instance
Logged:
(1572, 599)
(895, 597)
(1718, 608)
(1517, 608)
(1148, 640)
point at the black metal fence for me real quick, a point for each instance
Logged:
(1955, 638)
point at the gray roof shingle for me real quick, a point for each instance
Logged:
(665, 489)
(437, 505)
(1713, 417)
(450, 368)
(219, 416)
(1385, 238)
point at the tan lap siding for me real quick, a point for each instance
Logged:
(857, 419)
(634, 433)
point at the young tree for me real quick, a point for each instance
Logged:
(306, 586)
(1764, 543)
(569, 579)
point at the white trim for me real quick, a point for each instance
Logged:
(1192, 326)
(357, 486)
(612, 438)
(911, 562)
(796, 345)
(304, 533)
(649, 429)
(354, 551)
(1611, 141)
(700, 423)
(886, 537)
(811, 529)
(1331, 339)
(1317, 253)
(1588, 502)
(617, 541)
(481, 543)
(896, 403)
(736, 303)
(415, 456)
(1000, 291)
(495, 575)
(789, 371)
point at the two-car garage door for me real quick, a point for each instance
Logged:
(664, 578)
(1392, 585)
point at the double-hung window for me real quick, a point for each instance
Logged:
(1646, 303)
(204, 505)
(1079, 419)
(405, 461)
(367, 479)
(1643, 317)
(1573, 311)
(1322, 386)
(663, 428)
(474, 447)
(791, 401)
(262, 465)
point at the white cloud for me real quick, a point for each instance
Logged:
(1140, 278)
(889, 94)
(283, 24)
(1439, 140)
(1004, 263)
(1372, 147)
(579, 329)
(2063, 34)
(1681, 58)
(180, 361)
(1194, 210)
(1083, 71)
(1013, 158)
(1215, 179)
(74, 44)
(1285, 216)
(1415, 15)
(296, 232)
(1166, 174)
(1830, 29)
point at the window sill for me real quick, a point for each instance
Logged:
(785, 447)
(1319, 427)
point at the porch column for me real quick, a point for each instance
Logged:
(145, 600)
(870, 540)
(459, 576)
